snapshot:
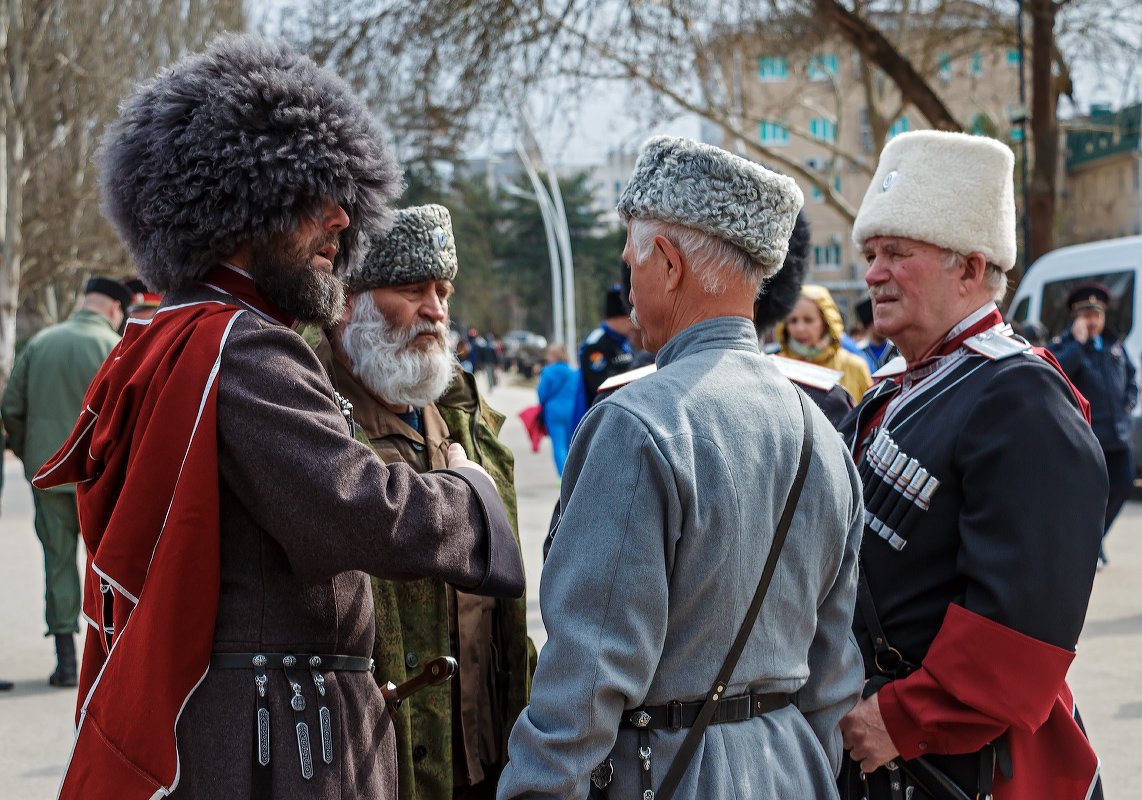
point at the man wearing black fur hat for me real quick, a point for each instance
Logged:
(777, 298)
(41, 402)
(226, 505)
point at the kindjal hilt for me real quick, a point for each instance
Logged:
(435, 672)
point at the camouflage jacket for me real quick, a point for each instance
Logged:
(417, 620)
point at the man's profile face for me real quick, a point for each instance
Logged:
(294, 270)
(647, 294)
(910, 287)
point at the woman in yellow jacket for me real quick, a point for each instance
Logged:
(812, 332)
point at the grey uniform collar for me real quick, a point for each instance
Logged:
(723, 333)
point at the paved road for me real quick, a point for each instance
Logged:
(36, 720)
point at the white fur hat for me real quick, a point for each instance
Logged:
(948, 189)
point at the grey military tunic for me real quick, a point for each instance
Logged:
(671, 492)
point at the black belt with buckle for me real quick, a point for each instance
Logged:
(676, 715)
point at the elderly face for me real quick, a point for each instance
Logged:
(422, 305)
(396, 340)
(915, 297)
(647, 295)
(805, 323)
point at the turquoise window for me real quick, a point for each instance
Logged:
(945, 62)
(772, 133)
(827, 255)
(822, 68)
(824, 130)
(898, 127)
(771, 68)
(977, 64)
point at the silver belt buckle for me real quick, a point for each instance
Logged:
(602, 774)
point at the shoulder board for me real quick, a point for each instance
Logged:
(890, 370)
(996, 346)
(630, 376)
(806, 374)
(594, 336)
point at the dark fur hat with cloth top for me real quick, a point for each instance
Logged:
(238, 145)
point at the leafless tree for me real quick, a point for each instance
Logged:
(436, 66)
(66, 64)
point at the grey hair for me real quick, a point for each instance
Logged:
(712, 260)
(993, 275)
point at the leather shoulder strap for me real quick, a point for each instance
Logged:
(690, 743)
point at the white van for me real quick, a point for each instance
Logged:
(1117, 265)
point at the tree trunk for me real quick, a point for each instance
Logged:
(1044, 133)
(873, 46)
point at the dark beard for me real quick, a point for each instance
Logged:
(282, 271)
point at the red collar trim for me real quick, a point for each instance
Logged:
(952, 342)
(240, 285)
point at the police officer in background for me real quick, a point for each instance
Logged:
(1094, 359)
(606, 350)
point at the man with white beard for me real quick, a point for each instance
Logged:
(389, 357)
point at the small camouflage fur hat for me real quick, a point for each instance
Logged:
(706, 188)
(419, 247)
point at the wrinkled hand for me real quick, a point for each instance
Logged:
(864, 734)
(1079, 330)
(457, 459)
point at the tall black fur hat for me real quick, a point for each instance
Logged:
(780, 293)
(235, 145)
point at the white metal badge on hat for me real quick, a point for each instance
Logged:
(889, 179)
(438, 234)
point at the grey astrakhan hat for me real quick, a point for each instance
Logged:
(420, 246)
(238, 145)
(706, 188)
(952, 190)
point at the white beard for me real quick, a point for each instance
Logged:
(385, 360)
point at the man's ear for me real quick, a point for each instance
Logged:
(672, 261)
(975, 267)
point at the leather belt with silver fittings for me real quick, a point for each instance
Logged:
(288, 663)
(676, 715)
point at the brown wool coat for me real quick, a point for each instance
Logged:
(306, 511)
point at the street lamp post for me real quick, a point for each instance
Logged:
(552, 253)
(558, 247)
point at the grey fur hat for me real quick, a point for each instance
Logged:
(420, 246)
(235, 145)
(706, 188)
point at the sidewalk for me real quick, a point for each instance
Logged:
(36, 720)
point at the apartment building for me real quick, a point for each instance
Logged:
(812, 108)
(1102, 190)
